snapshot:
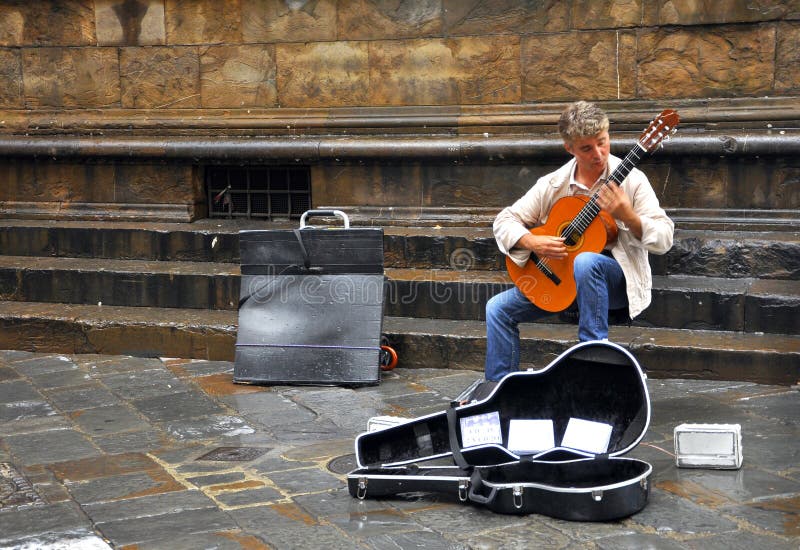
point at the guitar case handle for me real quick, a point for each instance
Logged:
(475, 489)
(335, 213)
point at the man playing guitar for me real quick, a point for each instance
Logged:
(615, 276)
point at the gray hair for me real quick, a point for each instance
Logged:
(581, 119)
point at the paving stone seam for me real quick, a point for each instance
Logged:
(177, 476)
(744, 525)
(513, 523)
(774, 496)
(62, 413)
(76, 425)
(266, 482)
(182, 478)
(780, 473)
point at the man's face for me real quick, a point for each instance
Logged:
(591, 153)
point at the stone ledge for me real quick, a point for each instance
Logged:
(500, 149)
(97, 211)
(539, 118)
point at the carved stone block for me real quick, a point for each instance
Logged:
(47, 23)
(765, 185)
(10, 79)
(154, 184)
(482, 185)
(71, 77)
(787, 58)
(379, 19)
(289, 21)
(706, 62)
(160, 77)
(65, 182)
(238, 76)
(130, 22)
(695, 181)
(12, 25)
(203, 22)
(692, 12)
(19, 180)
(64, 190)
(665, 182)
(600, 66)
(604, 14)
(367, 185)
(323, 74)
(485, 17)
(415, 184)
(442, 72)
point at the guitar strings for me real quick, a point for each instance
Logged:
(590, 211)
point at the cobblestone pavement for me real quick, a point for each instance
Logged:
(122, 452)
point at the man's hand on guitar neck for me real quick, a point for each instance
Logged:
(544, 246)
(612, 199)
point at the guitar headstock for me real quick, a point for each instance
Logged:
(660, 129)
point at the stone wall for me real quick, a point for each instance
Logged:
(261, 68)
(131, 54)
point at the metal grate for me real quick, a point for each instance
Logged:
(258, 192)
(343, 464)
(15, 490)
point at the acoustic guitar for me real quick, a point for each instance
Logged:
(549, 283)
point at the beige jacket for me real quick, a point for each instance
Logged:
(657, 228)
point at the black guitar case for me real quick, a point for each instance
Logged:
(547, 442)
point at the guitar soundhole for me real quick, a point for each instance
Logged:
(572, 240)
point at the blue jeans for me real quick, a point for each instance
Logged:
(601, 286)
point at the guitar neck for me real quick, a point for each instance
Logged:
(627, 164)
(590, 211)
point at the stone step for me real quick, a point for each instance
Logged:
(749, 305)
(140, 331)
(702, 252)
(679, 301)
(708, 303)
(204, 241)
(731, 254)
(731, 219)
(663, 353)
(141, 283)
(437, 343)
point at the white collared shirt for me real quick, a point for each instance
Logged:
(577, 188)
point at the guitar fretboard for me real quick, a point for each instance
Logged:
(588, 213)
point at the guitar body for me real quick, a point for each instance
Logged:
(557, 291)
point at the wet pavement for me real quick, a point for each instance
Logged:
(124, 452)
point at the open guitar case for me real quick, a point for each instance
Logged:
(549, 442)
